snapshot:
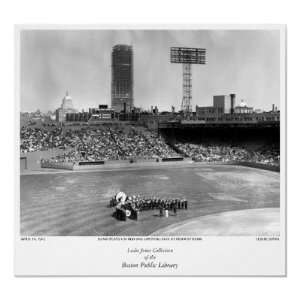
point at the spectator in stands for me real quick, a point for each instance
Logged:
(220, 153)
(103, 143)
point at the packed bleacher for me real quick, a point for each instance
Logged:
(92, 144)
(128, 142)
(35, 139)
(268, 155)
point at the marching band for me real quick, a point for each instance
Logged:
(130, 206)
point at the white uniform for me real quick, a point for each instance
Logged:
(121, 197)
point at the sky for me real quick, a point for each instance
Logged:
(244, 62)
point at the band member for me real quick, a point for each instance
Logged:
(161, 211)
(121, 197)
(175, 208)
(185, 204)
(176, 203)
(158, 203)
(120, 212)
(181, 203)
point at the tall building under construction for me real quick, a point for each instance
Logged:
(122, 78)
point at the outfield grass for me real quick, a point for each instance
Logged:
(75, 204)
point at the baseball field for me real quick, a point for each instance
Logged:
(222, 200)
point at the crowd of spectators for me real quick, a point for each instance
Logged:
(128, 142)
(35, 139)
(92, 144)
(223, 153)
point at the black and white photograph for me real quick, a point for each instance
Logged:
(151, 133)
(135, 132)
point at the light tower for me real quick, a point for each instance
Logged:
(187, 57)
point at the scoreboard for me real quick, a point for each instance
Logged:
(183, 55)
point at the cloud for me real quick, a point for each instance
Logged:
(53, 61)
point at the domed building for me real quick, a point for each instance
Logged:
(243, 108)
(67, 102)
(66, 107)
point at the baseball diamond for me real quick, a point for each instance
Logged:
(76, 204)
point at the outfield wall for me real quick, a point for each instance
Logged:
(57, 165)
(243, 164)
(257, 166)
(89, 165)
(110, 164)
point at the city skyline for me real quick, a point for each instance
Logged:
(242, 62)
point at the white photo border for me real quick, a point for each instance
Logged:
(212, 256)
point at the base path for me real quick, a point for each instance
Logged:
(265, 221)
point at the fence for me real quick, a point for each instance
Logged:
(57, 165)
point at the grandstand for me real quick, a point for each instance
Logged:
(119, 141)
(94, 164)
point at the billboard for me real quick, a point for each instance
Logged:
(183, 55)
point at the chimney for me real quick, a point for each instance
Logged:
(232, 103)
(273, 107)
